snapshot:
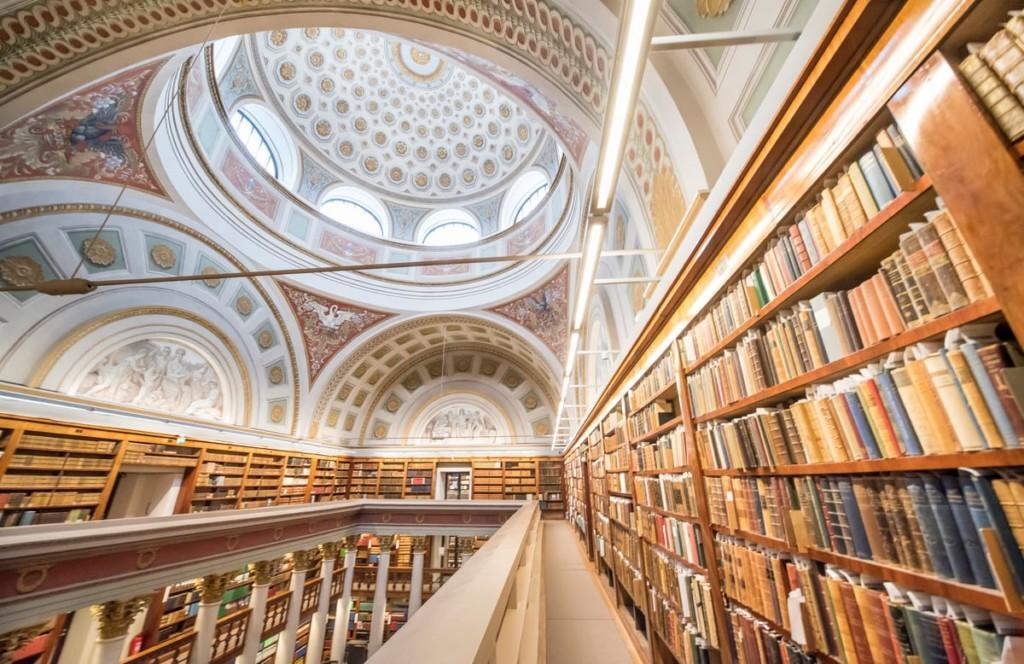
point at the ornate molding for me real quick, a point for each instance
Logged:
(212, 587)
(262, 572)
(46, 38)
(73, 208)
(329, 550)
(116, 617)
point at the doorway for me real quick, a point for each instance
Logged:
(453, 482)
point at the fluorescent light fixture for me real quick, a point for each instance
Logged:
(570, 359)
(635, 30)
(588, 268)
(565, 389)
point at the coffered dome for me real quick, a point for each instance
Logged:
(393, 114)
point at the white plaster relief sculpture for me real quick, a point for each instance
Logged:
(460, 422)
(159, 376)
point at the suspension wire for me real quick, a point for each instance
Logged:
(145, 148)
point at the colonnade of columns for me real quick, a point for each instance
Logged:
(112, 620)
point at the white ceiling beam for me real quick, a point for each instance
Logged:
(730, 38)
(626, 280)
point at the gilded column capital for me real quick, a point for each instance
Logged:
(329, 550)
(386, 542)
(115, 617)
(350, 542)
(262, 571)
(212, 586)
(419, 544)
(300, 560)
(11, 642)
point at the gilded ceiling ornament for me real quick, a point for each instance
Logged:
(380, 138)
(523, 132)
(277, 413)
(468, 176)
(421, 180)
(346, 149)
(401, 148)
(20, 271)
(421, 152)
(371, 164)
(98, 251)
(276, 375)
(442, 153)
(341, 106)
(396, 174)
(243, 305)
(350, 422)
(327, 86)
(277, 38)
(710, 8)
(445, 180)
(323, 128)
(286, 71)
(380, 431)
(340, 54)
(163, 256)
(210, 282)
(393, 404)
(265, 339)
(360, 124)
(316, 59)
(505, 111)
(332, 417)
(311, 33)
(303, 103)
(489, 167)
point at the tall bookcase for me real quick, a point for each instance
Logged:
(851, 475)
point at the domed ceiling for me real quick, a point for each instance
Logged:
(393, 114)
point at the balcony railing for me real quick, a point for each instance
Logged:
(277, 615)
(99, 561)
(175, 650)
(229, 638)
(310, 597)
(494, 599)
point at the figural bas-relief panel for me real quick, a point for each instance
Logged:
(157, 375)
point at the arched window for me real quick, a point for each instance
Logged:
(256, 142)
(448, 228)
(357, 210)
(523, 197)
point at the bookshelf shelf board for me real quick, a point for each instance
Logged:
(831, 266)
(663, 393)
(620, 494)
(660, 431)
(63, 506)
(676, 557)
(968, 314)
(1018, 147)
(984, 598)
(674, 515)
(662, 471)
(620, 524)
(777, 544)
(976, 459)
(616, 470)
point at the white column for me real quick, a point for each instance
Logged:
(380, 596)
(318, 623)
(339, 639)
(262, 572)
(286, 638)
(419, 548)
(114, 619)
(211, 592)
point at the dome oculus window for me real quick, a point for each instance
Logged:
(448, 228)
(255, 142)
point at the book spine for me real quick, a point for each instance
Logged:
(948, 531)
(934, 298)
(968, 532)
(939, 261)
(964, 265)
(929, 528)
(993, 359)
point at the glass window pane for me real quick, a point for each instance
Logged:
(255, 142)
(450, 233)
(353, 215)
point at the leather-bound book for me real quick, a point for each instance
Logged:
(974, 283)
(1005, 55)
(877, 182)
(940, 263)
(924, 562)
(797, 241)
(996, 360)
(830, 213)
(1001, 103)
(954, 405)
(850, 210)
(975, 400)
(973, 546)
(929, 527)
(948, 531)
(935, 301)
(861, 189)
(916, 296)
(915, 411)
(899, 290)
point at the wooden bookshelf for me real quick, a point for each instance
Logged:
(364, 478)
(419, 481)
(487, 480)
(261, 484)
(976, 173)
(342, 471)
(392, 478)
(551, 487)
(220, 480)
(322, 480)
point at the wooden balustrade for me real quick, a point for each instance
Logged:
(364, 579)
(337, 583)
(229, 637)
(176, 650)
(277, 614)
(310, 597)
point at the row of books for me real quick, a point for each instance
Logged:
(845, 204)
(617, 460)
(671, 493)
(684, 591)
(17, 499)
(617, 482)
(683, 538)
(18, 481)
(756, 641)
(76, 445)
(45, 462)
(657, 378)
(927, 522)
(856, 619)
(994, 69)
(32, 517)
(621, 509)
(751, 504)
(668, 451)
(963, 395)
(650, 418)
(825, 329)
